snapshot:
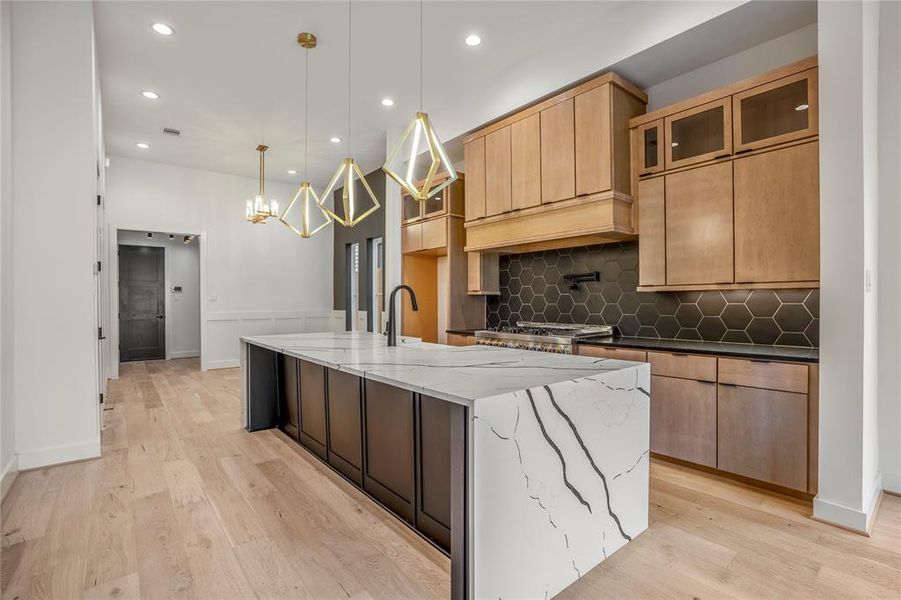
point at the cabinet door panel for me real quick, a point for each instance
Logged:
(558, 152)
(389, 471)
(288, 395)
(412, 208)
(474, 194)
(683, 419)
(411, 238)
(652, 235)
(313, 408)
(525, 150)
(777, 215)
(699, 134)
(437, 418)
(594, 164)
(345, 443)
(699, 225)
(497, 172)
(650, 147)
(763, 435)
(780, 111)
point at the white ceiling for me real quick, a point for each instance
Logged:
(232, 75)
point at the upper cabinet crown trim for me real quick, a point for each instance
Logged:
(556, 98)
(729, 90)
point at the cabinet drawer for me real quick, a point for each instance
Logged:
(617, 353)
(787, 377)
(411, 238)
(683, 419)
(685, 366)
(434, 234)
(762, 434)
(455, 339)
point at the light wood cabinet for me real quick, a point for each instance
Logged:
(483, 273)
(474, 158)
(777, 215)
(685, 366)
(699, 226)
(650, 147)
(556, 173)
(776, 112)
(525, 151)
(497, 172)
(787, 377)
(739, 176)
(411, 238)
(699, 134)
(683, 419)
(592, 141)
(614, 353)
(558, 152)
(434, 234)
(652, 240)
(456, 339)
(762, 434)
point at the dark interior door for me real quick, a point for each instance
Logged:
(142, 303)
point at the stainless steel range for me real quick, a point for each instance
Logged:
(547, 337)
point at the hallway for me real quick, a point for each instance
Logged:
(184, 503)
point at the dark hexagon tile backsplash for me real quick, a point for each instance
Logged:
(532, 289)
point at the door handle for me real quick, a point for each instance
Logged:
(161, 316)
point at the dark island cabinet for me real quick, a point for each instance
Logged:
(313, 407)
(390, 460)
(438, 422)
(288, 395)
(345, 427)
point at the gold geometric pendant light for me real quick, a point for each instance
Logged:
(305, 202)
(355, 206)
(259, 210)
(419, 157)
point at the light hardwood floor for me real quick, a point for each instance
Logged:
(184, 503)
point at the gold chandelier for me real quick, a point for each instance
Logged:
(311, 221)
(419, 157)
(353, 209)
(258, 209)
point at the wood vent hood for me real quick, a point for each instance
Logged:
(555, 174)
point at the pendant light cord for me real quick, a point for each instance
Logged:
(306, 110)
(349, 30)
(420, 55)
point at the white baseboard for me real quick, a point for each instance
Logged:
(10, 471)
(850, 518)
(228, 363)
(58, 455)
(183, 354)
(891, 482)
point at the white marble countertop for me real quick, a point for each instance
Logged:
(459, 374)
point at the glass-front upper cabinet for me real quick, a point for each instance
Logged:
(650, 147)
(780, 111)
(699, 134)
(434, 206)
(412, 209)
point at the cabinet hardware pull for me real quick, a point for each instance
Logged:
(729, 384)
(722, 156)
(743, 151)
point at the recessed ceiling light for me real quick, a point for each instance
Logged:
(335, 140)
(163, 29)
(801, 107)
(387, 102)
(292, 172)
(142, 145)
(473, 40)
(150, 95)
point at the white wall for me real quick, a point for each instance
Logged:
(182, 268)
(848, 470)
(889, 378)
(7, 405)
(54, 145)
(256, 279)
(778, 52)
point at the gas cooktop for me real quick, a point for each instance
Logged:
(550, 337)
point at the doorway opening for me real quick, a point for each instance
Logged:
(375, 284)
(158, 295)
(352, 299)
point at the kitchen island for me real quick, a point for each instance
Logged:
(528, 468)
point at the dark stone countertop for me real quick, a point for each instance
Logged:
(462, 331)
(753, 351)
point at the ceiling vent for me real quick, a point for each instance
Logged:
(171, 131)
